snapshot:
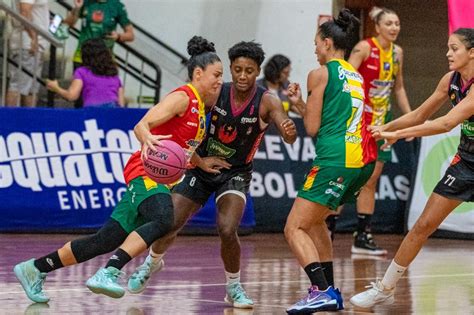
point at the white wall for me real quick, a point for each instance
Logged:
(281, 26)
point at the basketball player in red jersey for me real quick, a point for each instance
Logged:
(145, 212)
(238, 123)
(380, 63)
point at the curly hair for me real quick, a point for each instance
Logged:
(249, 50)
(202, 53)
(274, 67)
(98, 58)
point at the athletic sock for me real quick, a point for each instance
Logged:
(232, 277)
(49, 262)
(328, 272)
(119, 259)
(316, 275)
(392, 275)
(363, 224)
(155, 258)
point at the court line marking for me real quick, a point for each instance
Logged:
(188, 285)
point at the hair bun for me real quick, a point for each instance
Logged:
(346, 20)
(375, 12)
(198, 45)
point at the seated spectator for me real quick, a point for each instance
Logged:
(97, 80)
(276, 73)
(26, 49)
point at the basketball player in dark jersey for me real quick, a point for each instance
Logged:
(457, 184)
(237, 124)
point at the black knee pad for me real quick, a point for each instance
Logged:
(107, 239)
(158, 210)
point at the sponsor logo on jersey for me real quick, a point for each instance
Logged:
(192, 124)
(220, 111)
(454, 87)
(194, 110)
(247, 120)
(329, 191)
(218, 149)
(336, 184)
(386, 66)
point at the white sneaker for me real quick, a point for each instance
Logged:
(377, 294)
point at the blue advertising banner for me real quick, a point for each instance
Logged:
(62, 169)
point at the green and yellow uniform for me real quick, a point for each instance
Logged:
(345, 150)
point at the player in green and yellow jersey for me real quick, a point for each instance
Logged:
(346, 152)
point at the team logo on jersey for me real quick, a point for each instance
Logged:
(227, 133)
(194, 110)
(386, 66)
(249, 131)
(453, 96)
(214, 117)
(97, 16)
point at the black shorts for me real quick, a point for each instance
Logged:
(458, 181)
(198, 185)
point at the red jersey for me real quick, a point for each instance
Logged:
(379, 71)
(187, 130)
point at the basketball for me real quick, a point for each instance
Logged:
(167, 164)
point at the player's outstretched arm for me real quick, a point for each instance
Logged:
(272, 112)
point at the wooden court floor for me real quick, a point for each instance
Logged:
(440, 281)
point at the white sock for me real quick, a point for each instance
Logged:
(392, 275)
(155, 258)
(232, 277)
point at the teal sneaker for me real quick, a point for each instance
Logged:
(138, 280)
(31, 279)
(105, 281)
(237, 297)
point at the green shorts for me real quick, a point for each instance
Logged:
(384, 155)
(333, 186)
(126, 211)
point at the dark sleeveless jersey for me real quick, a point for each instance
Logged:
(457, 92)
(234, 133)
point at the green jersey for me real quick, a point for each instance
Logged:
(99, 19)
(343, 140)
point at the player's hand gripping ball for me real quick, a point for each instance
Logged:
(167, 164)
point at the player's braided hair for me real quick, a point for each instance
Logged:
(466, 36)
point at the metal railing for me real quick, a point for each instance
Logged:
(54, 44)
(136, 69)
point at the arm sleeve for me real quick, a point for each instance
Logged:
(123, 16)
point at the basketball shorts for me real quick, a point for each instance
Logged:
(19, 81)
(127, 213)
(458, 181)
(198, 185)
(384, 155)
(333, 186)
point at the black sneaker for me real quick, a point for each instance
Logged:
(364, 244)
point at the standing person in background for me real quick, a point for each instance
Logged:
(276, 74)
(239, 120)
(27, 48)
(145, 211)
(345, 158)
(457, 184)
(96, 80)
(380, 62)
(99, 20)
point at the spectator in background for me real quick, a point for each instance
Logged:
(276, 73)
(27, 49)
(96, 80)
(99, 20)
